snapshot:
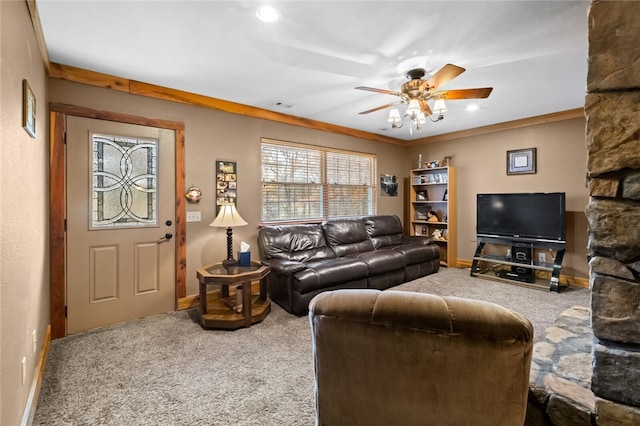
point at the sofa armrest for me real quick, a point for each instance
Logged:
(285, 267)
(416, 239)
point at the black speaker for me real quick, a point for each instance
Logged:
(521, 254)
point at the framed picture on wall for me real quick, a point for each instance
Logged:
(226, 184)
(521, 161)
(28, 109)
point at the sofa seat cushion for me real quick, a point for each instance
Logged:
(381, 261)
(328, 273)
(418, 253)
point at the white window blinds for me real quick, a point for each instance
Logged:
(305, 183)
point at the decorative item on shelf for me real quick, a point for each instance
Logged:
(228, 217)
(431, 216)
(446, 162)
(445, 197)
(437, 235)
(194, 195)
(421, 196)
(419, 161)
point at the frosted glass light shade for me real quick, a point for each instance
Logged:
(439, 107)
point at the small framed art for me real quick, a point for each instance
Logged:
(28, 109)
(521, 161)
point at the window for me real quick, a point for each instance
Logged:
(307, 183)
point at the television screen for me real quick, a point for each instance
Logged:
(539, 216)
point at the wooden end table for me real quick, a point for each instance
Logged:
(221, 312)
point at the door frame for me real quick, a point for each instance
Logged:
(57, 202)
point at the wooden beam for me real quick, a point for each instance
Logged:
(499, 127)
(78, 75)
(37, 29)
(57, 232)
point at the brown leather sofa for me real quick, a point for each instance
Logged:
(370, 252)
(405, 358)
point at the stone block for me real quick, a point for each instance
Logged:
(631, 186)
(613, 229)
(612, 267)
(603, 187)
(616, 373)
(614, 30)
(613, 131)
(609, 413)
(564, 412)
(615, 315)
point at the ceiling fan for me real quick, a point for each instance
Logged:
(416, 92)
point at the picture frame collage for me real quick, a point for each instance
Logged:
(226, 183)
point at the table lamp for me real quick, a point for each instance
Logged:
(228, 217)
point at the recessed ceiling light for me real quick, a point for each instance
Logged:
(268, 14)
(472, 107)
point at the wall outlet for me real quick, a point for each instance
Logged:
(542, 257)
(194, 216)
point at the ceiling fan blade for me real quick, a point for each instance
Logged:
(373, 89)
(424, 107)
(478, 93)
(444, 74)
(381, 107)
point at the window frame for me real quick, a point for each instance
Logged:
(324, 184)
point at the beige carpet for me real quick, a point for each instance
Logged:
(167, 370)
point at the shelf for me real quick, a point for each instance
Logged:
(523, 248)
(428, 202)
(504, 261)
(424, 222)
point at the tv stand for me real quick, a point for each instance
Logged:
(520, 259)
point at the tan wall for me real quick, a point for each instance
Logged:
(24, 200)
(213, 135)
(481, 165)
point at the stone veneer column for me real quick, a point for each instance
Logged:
(612, 111)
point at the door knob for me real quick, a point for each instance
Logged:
(166, 237)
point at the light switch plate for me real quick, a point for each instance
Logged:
(194, 217)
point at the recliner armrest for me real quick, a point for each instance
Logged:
(284, 266)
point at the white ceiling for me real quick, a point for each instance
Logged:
(533, 53)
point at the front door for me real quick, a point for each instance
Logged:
(120, 222)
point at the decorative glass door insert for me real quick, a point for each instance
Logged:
(124, 181)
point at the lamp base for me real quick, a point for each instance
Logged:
(229, 262)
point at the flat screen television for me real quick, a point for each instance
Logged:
(533, 216)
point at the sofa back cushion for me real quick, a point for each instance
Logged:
(346, 236)
(384, 230)
(294, 242)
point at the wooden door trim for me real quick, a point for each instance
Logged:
(57, 202)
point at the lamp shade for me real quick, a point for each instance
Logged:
(413, 109)
(439, 107)
(228, 217)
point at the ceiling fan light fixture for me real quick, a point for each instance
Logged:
(439, 106)
(394, 117)
(413, 109)
(268, 14)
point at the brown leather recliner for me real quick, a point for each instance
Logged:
(404, 358)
